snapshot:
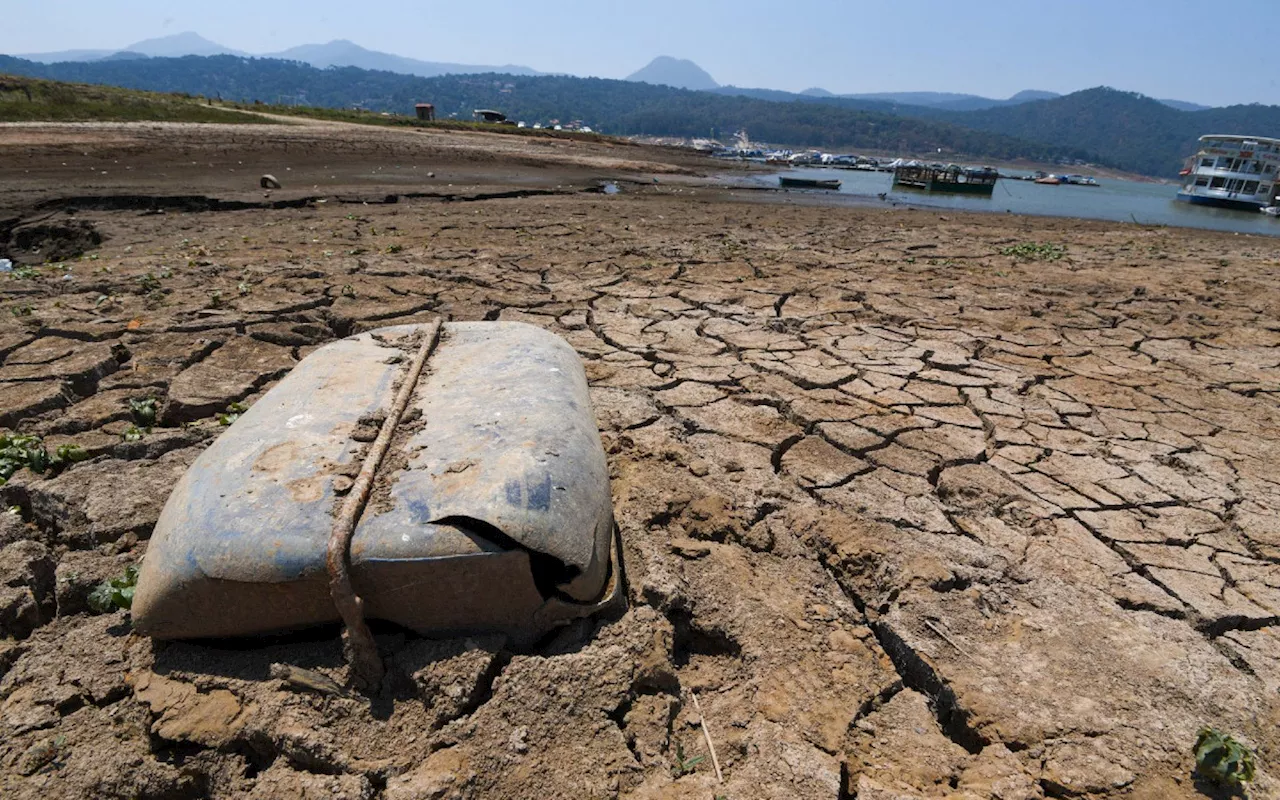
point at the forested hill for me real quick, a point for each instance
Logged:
(610, 106)
(1129, 130)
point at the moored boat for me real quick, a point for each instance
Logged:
(1237, 172)
(951, 178)
(1049, 180)
(1079, 180)
(809, 183)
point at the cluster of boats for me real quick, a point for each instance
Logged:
(1048, 179)
(807, 158)
(1239, 172)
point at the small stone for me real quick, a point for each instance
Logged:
(700, 468)
(517, 740)
(342, 484)
(269, 182)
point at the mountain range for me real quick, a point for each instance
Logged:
(1104, 126)
(662, 71)
(338, 53)
(685, 74)
(609, 106)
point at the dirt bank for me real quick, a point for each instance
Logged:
(913, 517)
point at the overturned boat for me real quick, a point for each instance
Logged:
(489, 512)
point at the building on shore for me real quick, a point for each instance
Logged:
(1233, 172)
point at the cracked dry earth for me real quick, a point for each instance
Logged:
(914, 519)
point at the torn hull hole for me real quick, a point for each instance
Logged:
(549, 572)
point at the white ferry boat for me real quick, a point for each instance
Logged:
(1233, 172)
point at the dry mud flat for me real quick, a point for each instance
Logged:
(914, 519)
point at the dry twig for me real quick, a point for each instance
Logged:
(706, 734)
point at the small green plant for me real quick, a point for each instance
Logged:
(348, 290)
(133, 434)
(243, 288)
(67, 454)
(215, 298)
(1222, 759)
(25, 273)
(18, 451)
(115, 593)
(23, 310)
(143, 410)
(684, 766)
(49, 753)
(1035, 251)
(394, 248)
(232, 414)
(148, 283)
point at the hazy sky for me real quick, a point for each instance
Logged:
(1181, 49)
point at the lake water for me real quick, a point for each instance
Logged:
(1123, 201)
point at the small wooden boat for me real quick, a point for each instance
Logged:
(809, 183)
(1051, 180)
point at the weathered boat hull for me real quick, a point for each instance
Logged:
(808, 183)
(1220, 202)
(952, 188)
(491, 512)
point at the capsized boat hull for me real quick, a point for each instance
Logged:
(491, 512)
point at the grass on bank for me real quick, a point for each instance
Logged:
(402, 121)
(35, 100)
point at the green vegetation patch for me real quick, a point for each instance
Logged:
(402, 121)
(1223, 760)
(33, 100)
(18, 451)
(116, 593)
(1035, 251)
